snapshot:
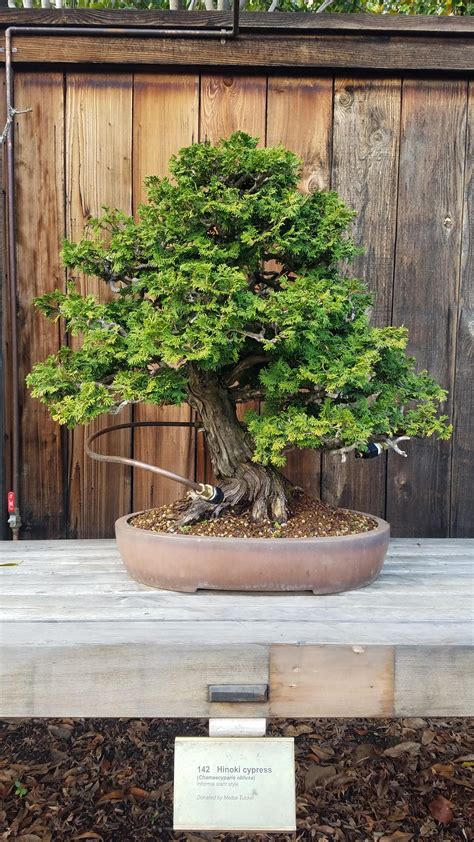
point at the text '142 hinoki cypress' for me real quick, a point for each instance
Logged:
(230, 287)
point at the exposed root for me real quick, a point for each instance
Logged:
(262, 490)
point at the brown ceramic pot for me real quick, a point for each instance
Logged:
(189, 562)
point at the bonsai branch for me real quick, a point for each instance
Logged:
(386, 442)
(246, 394)
(259, 337)
(393, 444)
(243, 365)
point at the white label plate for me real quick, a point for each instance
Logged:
(234, 783)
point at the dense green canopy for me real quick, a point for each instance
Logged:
(231, 269)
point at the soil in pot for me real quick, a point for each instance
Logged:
(308, 518)
(321, 548)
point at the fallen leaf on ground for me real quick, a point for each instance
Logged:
(138, 792)
(364, 751)
(319, 774)
(403, 748)
(322, 753)
(414, 723)
(441, 810)
(28, 837)
(443, 770)
(398, 836)
(114, 795)
(296, 730)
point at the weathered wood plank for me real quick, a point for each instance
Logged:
(426, 279)
(232, 103)
(249, 21)
(293, 103)
(125, 680)
(440, 683)
(39, 189)
(331, 681)
(98, 173)
(229, 104)
(170, 680)
(231, 633)
(462, 492)
(5, 334)
(364, 172)
(165, 118)
(359, 52)
(63, 605)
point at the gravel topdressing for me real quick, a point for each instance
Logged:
(309, 518)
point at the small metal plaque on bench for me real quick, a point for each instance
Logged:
(234, 783)
(238, 692)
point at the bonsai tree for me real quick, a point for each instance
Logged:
(231, 287)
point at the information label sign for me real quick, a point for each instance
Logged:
(234, 783)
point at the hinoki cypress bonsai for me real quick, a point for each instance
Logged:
(231, 287)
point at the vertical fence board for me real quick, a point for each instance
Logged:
(430, 203)
(462, 500)
(5, 356)
(230, 104)
(364, 173)
(293, 103)
(98, 172)
(39, 185)
(165, 119)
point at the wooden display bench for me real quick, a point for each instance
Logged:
(80, 638)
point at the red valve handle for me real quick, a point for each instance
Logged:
(11, 502)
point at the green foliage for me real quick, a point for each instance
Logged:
(230, 269)
(20, 789)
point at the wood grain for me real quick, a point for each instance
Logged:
(72, 617)
(354, 52)
(440, 684)
(331, 681)
(293, 103)
(5, 334)
(430, 204)
(232, 103)
(364, 173)
(127, 680)
(229, 104)
(151, 18)
(39, 187)
(165, 118)
(98, 173)
(462, 491)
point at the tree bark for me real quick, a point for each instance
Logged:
(246, 484)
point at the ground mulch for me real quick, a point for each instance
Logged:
(308, 518)
(111, 780)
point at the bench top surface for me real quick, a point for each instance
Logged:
(77, 591)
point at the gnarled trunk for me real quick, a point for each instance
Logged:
(245, 483)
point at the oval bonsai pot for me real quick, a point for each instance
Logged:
(191, 562)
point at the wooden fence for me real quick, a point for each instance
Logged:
(394, 143)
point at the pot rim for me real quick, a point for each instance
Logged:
(381, 529)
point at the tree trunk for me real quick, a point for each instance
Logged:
(246, 484)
